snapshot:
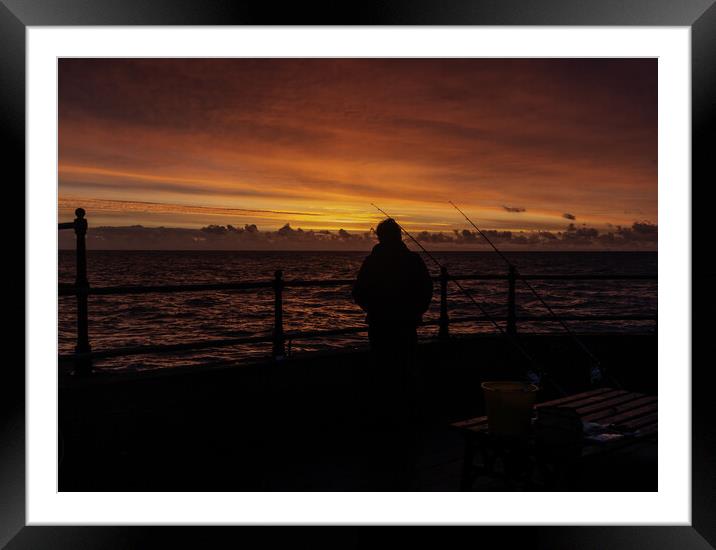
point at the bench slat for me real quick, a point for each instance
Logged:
(608, 404)
(632, 414)
(575, 397)
(469, 422)
(599, 415)
(595, 399)
(478, 428)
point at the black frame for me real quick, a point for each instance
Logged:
(700, 15)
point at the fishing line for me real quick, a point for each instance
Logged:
(597, 372)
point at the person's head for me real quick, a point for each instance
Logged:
(388, 231)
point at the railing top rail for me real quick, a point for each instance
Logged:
(68, 289)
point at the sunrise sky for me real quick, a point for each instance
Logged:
(521, 145)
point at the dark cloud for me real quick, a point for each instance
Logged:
(639, 232)
(639, 236)
(514, 208)
(436, 238)
(215, 229)
(219, 237)
(568, 216)
(580, 234)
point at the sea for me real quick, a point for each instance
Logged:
(135, 320)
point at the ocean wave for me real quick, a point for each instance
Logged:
(119, 321)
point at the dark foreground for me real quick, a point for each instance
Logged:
(293, 426)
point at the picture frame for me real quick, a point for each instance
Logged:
(699, 15)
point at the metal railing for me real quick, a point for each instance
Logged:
(83, 355)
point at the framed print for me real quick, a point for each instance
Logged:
(428, 265)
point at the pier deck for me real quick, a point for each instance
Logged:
(290, 426)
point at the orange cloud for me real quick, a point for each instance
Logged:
(313, 142)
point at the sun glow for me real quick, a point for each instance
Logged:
(551, 145)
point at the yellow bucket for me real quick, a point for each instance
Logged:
(509, 407)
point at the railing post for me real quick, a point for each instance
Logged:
(511, 313)
(83, 364)
(278, 352)
(444, 322)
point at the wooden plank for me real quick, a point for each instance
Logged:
(599, 415)
(478, 428)
(469, 422)
(575, 397)
(595, 399)
(631, 414)
(608, 404)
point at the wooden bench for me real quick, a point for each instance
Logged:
(611, 420)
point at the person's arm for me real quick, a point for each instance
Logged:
(360, 290)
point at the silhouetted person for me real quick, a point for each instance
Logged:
(394, 288)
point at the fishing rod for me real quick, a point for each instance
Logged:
(597, 372)
(534, 377)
